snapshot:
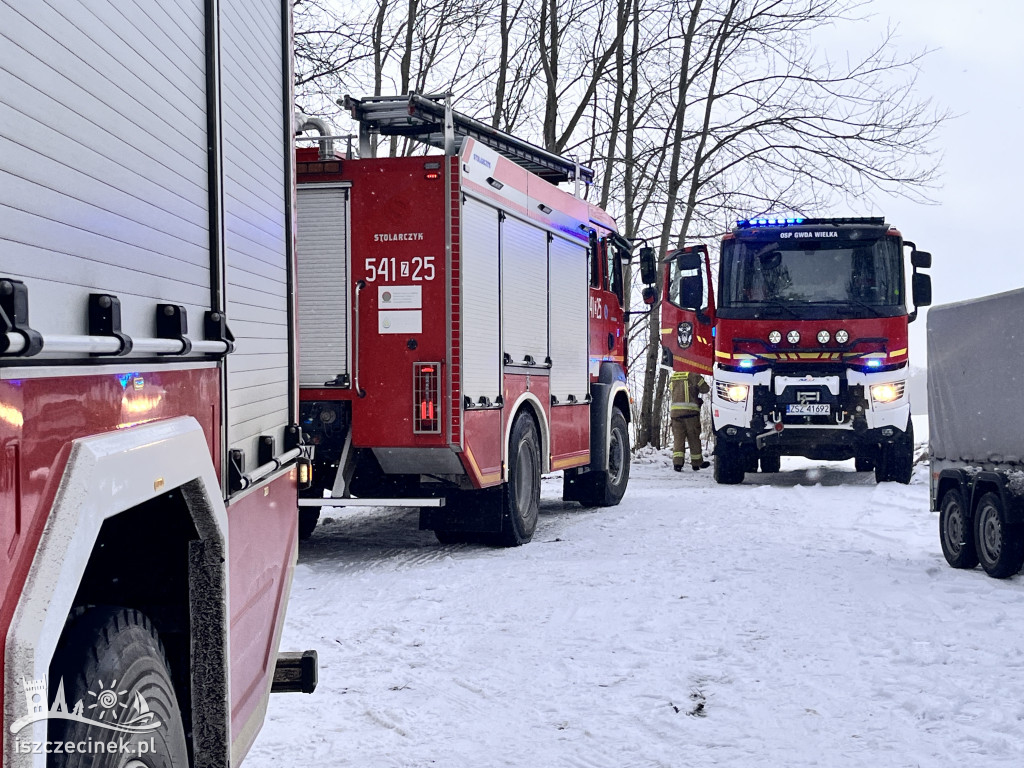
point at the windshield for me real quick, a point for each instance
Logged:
(856, 277)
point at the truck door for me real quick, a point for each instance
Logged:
(606, 303)
(688, 310)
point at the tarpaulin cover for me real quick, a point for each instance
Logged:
(976, 379)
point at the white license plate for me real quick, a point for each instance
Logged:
(308, 451)
(808, 409)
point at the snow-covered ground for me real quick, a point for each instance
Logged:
(805, 618)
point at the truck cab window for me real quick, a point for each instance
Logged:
(595, 261)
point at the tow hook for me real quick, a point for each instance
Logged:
(295, 672)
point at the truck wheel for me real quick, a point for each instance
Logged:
(606, 488)
(110, 661)
(896, 460)
(771, 462)
(863, 464)
(728, 463)
(1000, 546)
(520, 496)
(308, 518)
(955, 531)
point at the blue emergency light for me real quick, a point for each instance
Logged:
(875, 363)
(746, 363)
(768, 222)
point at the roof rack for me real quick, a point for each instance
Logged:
(423, 117)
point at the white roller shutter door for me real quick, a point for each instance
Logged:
(481, 337)
(524, 291)
(103, 159)
(323, 284)
(254, 239)
(569, 306)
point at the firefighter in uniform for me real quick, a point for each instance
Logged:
(686, 389)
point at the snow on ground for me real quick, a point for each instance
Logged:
(805, 618)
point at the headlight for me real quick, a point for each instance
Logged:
(823, 337)
(774, 337)
(888, 393)
(793, 337)
(734, 393)
(842, 337)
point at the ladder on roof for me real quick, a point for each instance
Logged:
(426, 118)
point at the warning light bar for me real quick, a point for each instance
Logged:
(867, 221)
(767, 222)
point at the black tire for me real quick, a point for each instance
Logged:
(606, 488)
(308, 518)
(771, 462)
(728, 463)
(896, 460)
(113, 655)
(445, 536)
(520, 496)
(750, 460)
(955, 531)
(864, 464)
(1000, 547)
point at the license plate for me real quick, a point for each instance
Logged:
(808, 409)
(308, 451)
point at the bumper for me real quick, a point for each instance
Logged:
(853, 425)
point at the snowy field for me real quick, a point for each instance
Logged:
(805, 618)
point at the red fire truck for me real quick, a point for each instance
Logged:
(806, 344)
(148, 384)
(461, 326)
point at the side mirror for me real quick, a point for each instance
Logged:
(688, 261)
(648, 266)
(691, 292)
(922, 290)
(649, 295)
(920, 260)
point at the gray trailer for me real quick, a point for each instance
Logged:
(975, 380)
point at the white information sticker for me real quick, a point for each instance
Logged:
(399, 297)
(400, 321)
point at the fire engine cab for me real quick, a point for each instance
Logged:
(807, 342)
(461, 326)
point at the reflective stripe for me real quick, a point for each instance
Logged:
(685, 407)
(696, 457)
(678, 454)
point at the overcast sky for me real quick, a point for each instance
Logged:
(977, 71)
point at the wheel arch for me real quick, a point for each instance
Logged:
(609, 393)
(948, 480)
(119, 489)
(1011, 505)
(528, 403)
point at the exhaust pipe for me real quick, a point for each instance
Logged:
(306, 123)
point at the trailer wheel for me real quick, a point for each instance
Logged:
(107, 658)
(729, 463)
(955, 531)
(606, 488)
(771, 462)
(520, 496)
(308, 518)
(1000, 547)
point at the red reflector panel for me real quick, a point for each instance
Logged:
(426, 388)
